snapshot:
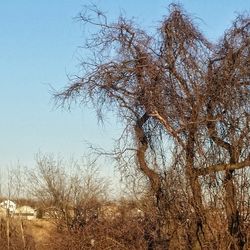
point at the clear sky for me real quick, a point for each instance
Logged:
(38, 44)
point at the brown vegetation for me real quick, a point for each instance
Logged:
(180, 98)
(184, 152)
(14, 235)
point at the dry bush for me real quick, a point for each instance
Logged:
(117, 233)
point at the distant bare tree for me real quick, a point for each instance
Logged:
(174, 88)
(70, 193)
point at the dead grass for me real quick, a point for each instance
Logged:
(40, 230)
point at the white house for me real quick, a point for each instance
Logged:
(9, 206)
(26, 212)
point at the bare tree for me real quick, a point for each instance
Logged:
(71, 193)
(177, 88)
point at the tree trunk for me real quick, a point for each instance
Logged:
(154, 179)
(196, 233)
(232, 212)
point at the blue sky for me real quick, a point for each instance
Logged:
(38, 44)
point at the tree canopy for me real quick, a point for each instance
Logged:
(177, 87)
